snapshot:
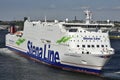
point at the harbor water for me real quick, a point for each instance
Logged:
(15, 67)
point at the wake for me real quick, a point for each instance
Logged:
(112, 75)
(7, 52)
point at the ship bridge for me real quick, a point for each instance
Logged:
(90, 26)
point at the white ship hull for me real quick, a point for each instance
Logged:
(57, 55)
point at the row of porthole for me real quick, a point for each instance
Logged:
(87, 40)
(86, 36)
(88, 46)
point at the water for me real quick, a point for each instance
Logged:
(15, 67)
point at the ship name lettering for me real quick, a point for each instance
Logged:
(44, 53)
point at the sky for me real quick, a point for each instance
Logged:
(59, 9)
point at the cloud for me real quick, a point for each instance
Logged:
(52, 6)
(116, 8)
(108, 8)
(80, 8)
(85, 7)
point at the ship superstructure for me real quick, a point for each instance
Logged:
(63, 44)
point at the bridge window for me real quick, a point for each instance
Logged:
(73, 30)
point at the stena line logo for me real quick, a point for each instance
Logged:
(44, 53)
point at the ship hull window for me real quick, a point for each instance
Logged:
(88, 46)
(98, 46)
(83, 46)
(93, 46)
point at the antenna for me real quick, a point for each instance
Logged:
(108, 21)
(66, 20)
(45, 19)
(88, 16)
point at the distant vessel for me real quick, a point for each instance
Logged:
(71, 46)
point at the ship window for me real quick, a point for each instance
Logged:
(82, 52)
(106, 46)
(78, 46)
(34, 24)
(102, 45)
(83, 46)
(93, 46)
(87, 52)
(97, 45)
(73, 30)
(88, 46)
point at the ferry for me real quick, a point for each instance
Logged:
(80, 47)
